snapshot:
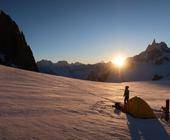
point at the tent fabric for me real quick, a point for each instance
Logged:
(137, 107)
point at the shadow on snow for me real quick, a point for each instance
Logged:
(146, 129)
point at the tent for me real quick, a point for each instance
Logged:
(137, 107)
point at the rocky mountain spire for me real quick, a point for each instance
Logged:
(14, 50)
(156, 53)
(154, 42)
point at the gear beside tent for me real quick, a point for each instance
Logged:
(137, 107)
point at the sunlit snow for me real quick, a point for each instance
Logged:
(35, 106)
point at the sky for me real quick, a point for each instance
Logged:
(89, 31)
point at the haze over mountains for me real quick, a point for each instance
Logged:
(151, 64)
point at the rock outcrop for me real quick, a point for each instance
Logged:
(157, 53)
(14, 50)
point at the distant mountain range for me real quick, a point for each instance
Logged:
(151, 64)
(96, 72)
(14, 50)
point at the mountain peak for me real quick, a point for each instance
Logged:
(162, 47)
(154, 42)
(14, 49)
(1, 12)
(155, 52)
(4, 15)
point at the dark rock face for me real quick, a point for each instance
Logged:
(157, 77)
(157, 53)
(14, 50)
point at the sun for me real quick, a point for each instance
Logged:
(119, 61)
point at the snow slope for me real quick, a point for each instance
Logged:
(36, 106)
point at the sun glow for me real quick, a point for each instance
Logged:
(119, 61)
